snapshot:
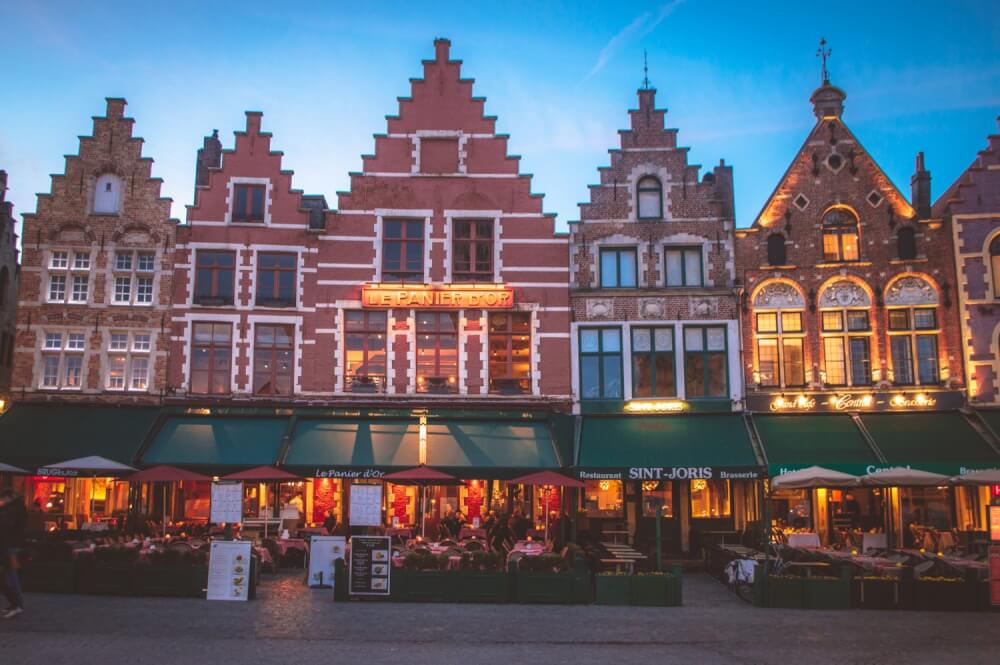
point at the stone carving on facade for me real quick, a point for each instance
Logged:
(703, 306)
(844, 294)
(911, 291)
(779, 295)
(652, 308)
(600, 308)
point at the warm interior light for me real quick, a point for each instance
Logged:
(656, 406)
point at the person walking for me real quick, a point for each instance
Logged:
(13, 518)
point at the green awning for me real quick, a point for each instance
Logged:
(359, 444)
(797, 441)
(217, 442)
(465, 446)
(942, 442)
(992, 419)
(35, 435)
(666, 444)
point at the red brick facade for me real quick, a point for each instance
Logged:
(94, 296)
(9, 275)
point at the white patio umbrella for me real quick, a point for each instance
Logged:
(812, 477)
(94, 466)
(8, 468)
(981, 477)
(900, 476)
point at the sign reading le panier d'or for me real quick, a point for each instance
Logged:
(471, 296)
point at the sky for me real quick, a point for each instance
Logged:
(735, 77)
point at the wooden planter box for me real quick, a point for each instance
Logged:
(939, 596)
(656, 590)
(173, 581)
(613, 589)
(481, 587)
(111, 579)
(443, 586)
(821, 593)
(554, 588)
(785, 592)
(876, 594)
(49, 576)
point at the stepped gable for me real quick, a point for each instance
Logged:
(978, 187)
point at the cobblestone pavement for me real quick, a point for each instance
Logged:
(289, 623)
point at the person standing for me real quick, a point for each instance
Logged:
(13, 517)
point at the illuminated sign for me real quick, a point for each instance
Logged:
(802, 402)
(469, 296)
(656, 406)
(855, 401)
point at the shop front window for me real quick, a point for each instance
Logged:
(437, 352)
(657, 497)
(710, 499)
(653, 362)
(791, 509)
(706, 372)
(510, 353)
(603, 498)
(600, 363)
(365, 346)
(926, 511)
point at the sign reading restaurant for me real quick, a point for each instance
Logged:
(459, 296)
(855, 401)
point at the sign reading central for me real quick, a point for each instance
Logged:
(449, 297)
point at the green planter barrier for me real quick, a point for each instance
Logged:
(612, 589)
(444, 586)
(482, 587)
(172, 581)
(110, 579)
(785, 591)
(826, 593)
(554, 588)
(49, 576)
(939, 594)
(876, 593)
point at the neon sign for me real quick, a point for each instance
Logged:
(448, 297)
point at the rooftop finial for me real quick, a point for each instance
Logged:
(645, 70)
(823, 53)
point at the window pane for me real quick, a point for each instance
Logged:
(902, 359)
(116, 372)
(140, 372)
(590, 377)
(835, 363)
(831, 246)
(611, 340)
(694, 374)
(899, 319)
(641, 339)
(649, 204)
(658, 500)
(666, 383)
(642, 375)
(664, 339)
(693, 339)
(927, 360)
(675, 270)
(717, 375)
(860, 361)
(792, 361)
(857, 321)
(716, 339)
(833, 321)
(710, 499)
(791, 322)
(144, 290)
(147, 262)
(627, 276)
(609, 269)
(53, 340)
(50, 371)
(123, 261)
(849, 242)
(767, 322)
(589, 341)
(767, 354)
(924, 319)
(692, 267)
(612, 376)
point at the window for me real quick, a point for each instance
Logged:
(107, 194)
(906, 243)
(653, 362)
(601, 363)
(276, 280)
(780, 360)
(57, 288)
(248, 203)
(710, 499)
(907, 343)
(437, 352)
(706, 371)
(847, 355)
(657, 497)
(995, 265)
(618, 268)
(840, 236)
(62, 360)
(683, 266)
(60, 260)
(81, 286)
(215, 276)
(128, 364)
(69, 281)
(132, 283)
(365, 350)
(211, 353)
(403, 251)
(776, 254)
(472, 245)
(603, 498)
(273, 355)
(650, 194)
(510, 353)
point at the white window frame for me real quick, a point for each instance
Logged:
(71, 344)
(133, 274)
(128, 353)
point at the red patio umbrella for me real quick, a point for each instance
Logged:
(263, 474)
(164, 473)
(423, 476)
(550, 479)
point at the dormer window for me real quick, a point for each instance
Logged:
(650, 196)
(840, 236)
(776, 254)
(906, 243)
(107, 194)
(248, 204)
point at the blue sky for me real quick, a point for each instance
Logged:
(736, 78)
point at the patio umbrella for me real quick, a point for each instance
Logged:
(165, 474)
(813, 477)
(422, 476)
(547, 479)
(94, 465)
(981, 477)
(7, 468)
(902, 477)
(263, 474)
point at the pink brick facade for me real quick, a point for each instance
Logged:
(972, 207)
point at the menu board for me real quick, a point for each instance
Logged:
(366, 505)
(227, 502)
(229, 570)
(370, 565)
(323, 552)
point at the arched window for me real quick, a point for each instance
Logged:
(906, 243)
(4, 284)
(845, 334)
(840, 236)
(779, 336)
(911, 304)
(776, 255)
(995, 265)
(107, 194)
(650, 195)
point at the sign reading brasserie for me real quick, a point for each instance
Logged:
(450, 297)
(854, 401)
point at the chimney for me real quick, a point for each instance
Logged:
(442, 47)
(3, 187)
(920, 189)
(116, 107)
(209, 157)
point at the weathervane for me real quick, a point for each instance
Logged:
(645, 70)
(824, 53)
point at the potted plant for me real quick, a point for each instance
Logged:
(107, 570)
(548, 578)
(939, 593)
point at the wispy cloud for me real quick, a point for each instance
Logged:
(641, 26)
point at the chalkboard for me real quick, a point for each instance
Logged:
(370, 563)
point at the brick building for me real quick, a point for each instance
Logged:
(9, 276)
(972, 207)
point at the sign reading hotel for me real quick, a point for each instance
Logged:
(854, 401)
(447, 297)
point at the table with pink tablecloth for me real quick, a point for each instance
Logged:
(291, 544)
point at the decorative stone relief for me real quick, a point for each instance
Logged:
(844, 294)
(779, 295)
(911, 291)
(703, 306)
(600, 308)
(652, 308)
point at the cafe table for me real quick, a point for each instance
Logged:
(810, 566)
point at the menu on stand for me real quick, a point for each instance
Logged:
(227, 502)
(369, 565)
(229, 570)
(366, 505)
(323, 552)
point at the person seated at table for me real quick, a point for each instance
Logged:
(449, 525)
(501, 538)
(330, 521)
(519, 525)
